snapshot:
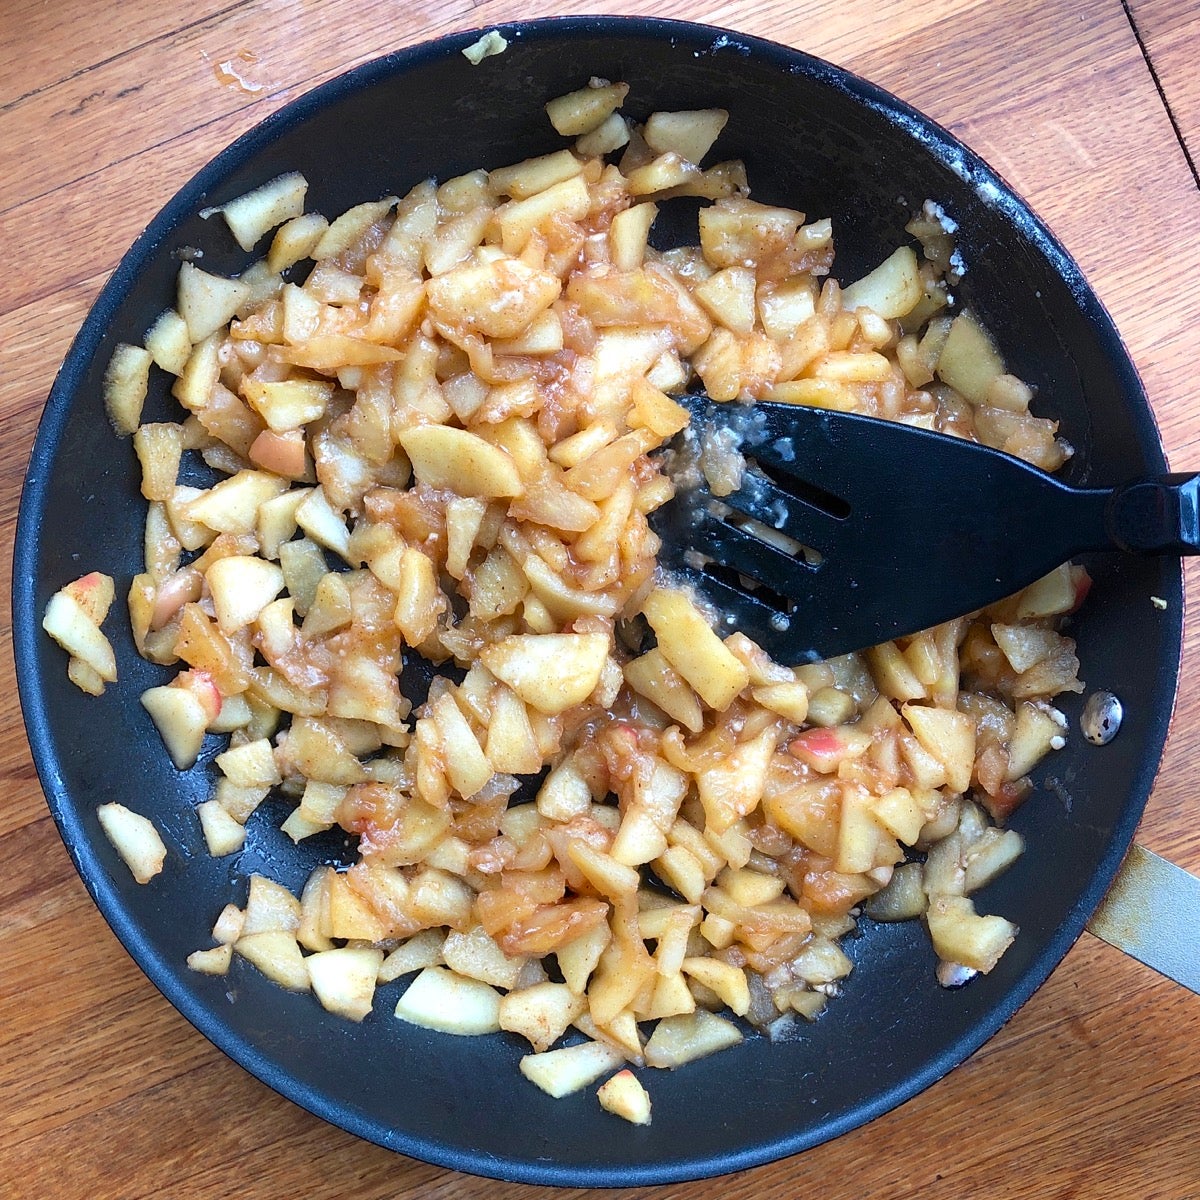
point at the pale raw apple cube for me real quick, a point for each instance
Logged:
(214, 961)
(582, 111)
(343, 979)
(681, 1039)
(689, 644)
(251, 215)
(624, 1096)
(135, 839)
(542, 1013)
(242, 586)
(560, 1072)
(277, 955)
(961, 935)
(550, 672)
(181, 720)
(222, 834)
(125, 384)
(445, 457)
(422, 950)
(207, 302)
(891, 290)
(69, 624)
(443, 1000)
(168, 341)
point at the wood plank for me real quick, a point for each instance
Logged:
(1170, 33)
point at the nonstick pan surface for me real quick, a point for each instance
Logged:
(815, 138)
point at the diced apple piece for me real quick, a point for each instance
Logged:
(270, 907)
(289, 403)
(445, 457)
(475, 955)
(168, 341)
(688, 134)
(891, 290)
(125, 383)
(991, 855)
(608, 876)
(1039, 729)
(1025, 645)
(611, 134)
(207, 302)
(135, 839)
(422, 950)
(181, 721)
(551, 672)
(682, 1039)
(294, 240)
(578, 958)
(961, 935)
(441, 999)
(231, 506)
(733, 786)
(69, 624)
(222, 834)
(466, 765)
(729, 297)
(534, 175)
(949, 736)
(277, 955)
(1049, 596)
(689, 644)
(541, 1013)
(254, 213)
(582, 111)
(214, 961)
(561, 1072)
(500, 298)
(969, 361)
(251, 765)
(729, 982)
(343, 979)
(242, 585)
(624, 1096)
(229, 925)
(316, 516)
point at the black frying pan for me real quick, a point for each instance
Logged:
(815, 138)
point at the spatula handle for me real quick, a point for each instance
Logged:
(1156, 516)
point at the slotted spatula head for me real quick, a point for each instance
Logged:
(846, 530)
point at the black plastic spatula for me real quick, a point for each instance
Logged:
(886, 529)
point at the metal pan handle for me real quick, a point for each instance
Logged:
(1152, 913)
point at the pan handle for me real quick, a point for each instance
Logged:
(1156, 516)
(1152, 913)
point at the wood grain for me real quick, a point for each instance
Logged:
(1090, 1092)
(1169, 34)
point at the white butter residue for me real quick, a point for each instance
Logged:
(491, 43)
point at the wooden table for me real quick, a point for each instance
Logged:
(1088, 107)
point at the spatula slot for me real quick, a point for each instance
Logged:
(803, 490)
